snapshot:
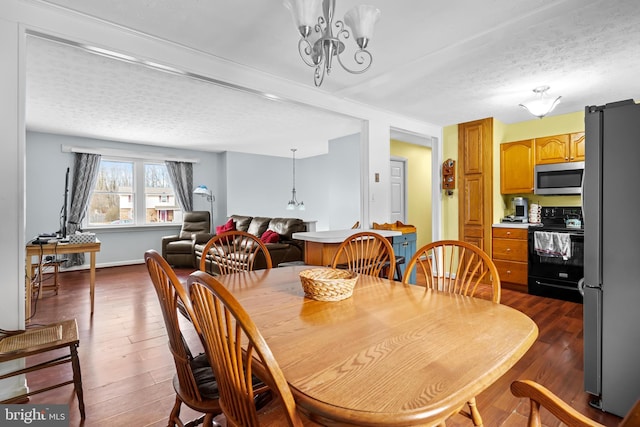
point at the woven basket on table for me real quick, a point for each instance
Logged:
(328, 284)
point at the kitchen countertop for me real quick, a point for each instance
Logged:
(337, 236)
(511, 225)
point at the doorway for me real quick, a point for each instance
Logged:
(398, 190)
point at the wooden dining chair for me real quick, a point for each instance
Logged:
(233, 251)
(194, 382)
(459, 268)
(456, 267)
(232, 341)
(366, 253)
(539, 395)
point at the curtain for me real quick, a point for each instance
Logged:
(85, 172)
(181, 175)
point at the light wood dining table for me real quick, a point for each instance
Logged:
(391, 355)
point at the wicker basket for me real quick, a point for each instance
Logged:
(328, 284)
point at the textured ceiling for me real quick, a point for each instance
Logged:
(442, 62)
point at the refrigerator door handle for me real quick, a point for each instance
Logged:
(581, 286)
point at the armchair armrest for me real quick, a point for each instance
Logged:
(540, 395)
(165, 241)
(202, 238)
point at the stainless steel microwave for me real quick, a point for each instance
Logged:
(559, 178)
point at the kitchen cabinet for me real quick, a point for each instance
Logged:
(510, 256)
(405, 245)
(576, 147)
(559, 148)
(516, 167)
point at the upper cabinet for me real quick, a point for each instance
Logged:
(560, 148)
(576, 147)
(516, 167)
(518, 159)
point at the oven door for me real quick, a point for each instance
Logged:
(554, 276)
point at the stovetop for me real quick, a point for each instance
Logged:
(553, 219)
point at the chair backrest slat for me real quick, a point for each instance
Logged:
(366, 253)
(456, 267)
(234, 251)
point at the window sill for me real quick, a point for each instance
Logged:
(131, 227)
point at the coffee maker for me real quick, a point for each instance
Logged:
(520, 209)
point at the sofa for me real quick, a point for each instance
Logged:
(285, 249)
(178, 250)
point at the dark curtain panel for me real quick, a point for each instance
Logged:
(85, 172)
(181, 175)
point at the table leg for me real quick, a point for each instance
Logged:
(92, 278)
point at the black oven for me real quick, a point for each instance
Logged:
(550, 274)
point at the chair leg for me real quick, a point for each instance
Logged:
(175, 413)
(475, 414)
(77, 378)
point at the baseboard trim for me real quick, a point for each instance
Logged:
(104, 264)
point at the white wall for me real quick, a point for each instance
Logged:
(260, 185)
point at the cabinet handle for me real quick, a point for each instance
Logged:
(566, 158)
(508, 249)
(572, 158)
(405, 244)
(508, 233)
(508, 271)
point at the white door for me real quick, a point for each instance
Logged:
(398, 194)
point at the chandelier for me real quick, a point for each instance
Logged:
(542, 104)
(318, 45)
(293, 203)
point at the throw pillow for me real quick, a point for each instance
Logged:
(228, 226)
(270, 236)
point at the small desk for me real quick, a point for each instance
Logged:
(59, 249)
(391, 355)
(321, 246)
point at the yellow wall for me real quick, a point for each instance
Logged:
(418, 187)
(565, 123)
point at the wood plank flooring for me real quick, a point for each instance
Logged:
(127, 367)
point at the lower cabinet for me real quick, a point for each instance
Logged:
(405, 245)
(509, 253)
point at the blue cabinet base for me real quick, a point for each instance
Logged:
(405, 245)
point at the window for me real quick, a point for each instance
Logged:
(121, 198)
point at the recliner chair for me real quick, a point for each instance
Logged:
(178, 250)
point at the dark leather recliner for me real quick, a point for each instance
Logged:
(179, 250)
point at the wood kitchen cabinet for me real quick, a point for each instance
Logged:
(560, 148)
(516, 167)
(510, 256)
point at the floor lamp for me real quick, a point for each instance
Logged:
(202, 190)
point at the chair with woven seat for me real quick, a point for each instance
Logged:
(233, 251)
(37, 341)
(539, 395)
(232, 341)
(366, 253)
(460, 268)
(194, 382)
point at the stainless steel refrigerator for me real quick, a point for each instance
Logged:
(611, 209)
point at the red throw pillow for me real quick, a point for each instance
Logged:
(270, 236)
(228, 226)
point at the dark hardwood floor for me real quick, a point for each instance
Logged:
(127, 368)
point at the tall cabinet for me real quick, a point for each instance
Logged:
(475, 175)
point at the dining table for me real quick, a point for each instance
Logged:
(392, 354)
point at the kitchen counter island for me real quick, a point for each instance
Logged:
(320, 246)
